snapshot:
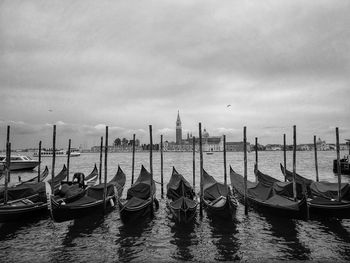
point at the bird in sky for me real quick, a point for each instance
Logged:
(50, 110)
(229, 105)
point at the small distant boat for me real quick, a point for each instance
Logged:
(209, 153)
(18, 162)
(181, 199)
(59, 153)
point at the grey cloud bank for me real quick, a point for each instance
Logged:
(129, 64)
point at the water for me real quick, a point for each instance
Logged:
(253, 237)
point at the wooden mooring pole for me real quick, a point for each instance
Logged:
(338, 163)
(201, 170)
(161, 165)
(316, 163)
(68, 158)
(133, 160)
(245, 170)
(100, 168)
(294, 162)
(8, 164)
(256, 158)
(53, 159)
(194, 163)
(151, 165)
(39, 161)
(284, 157)
(225, 172)
(105, 179)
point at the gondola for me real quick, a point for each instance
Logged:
(181, 199)
(140, 198)
(323, 196)
(261, 197)
(217, 198)
(28, 200)
(92, 202)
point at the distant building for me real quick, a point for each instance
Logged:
(273, 147)
(178, 130)
(237, 146)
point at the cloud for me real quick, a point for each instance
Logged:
(130, 64)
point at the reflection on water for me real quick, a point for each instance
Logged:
(285, 231)
(130, 240)
(223, 235)
(183, 237)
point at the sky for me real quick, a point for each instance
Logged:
(129, 64)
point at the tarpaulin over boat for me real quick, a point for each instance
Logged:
(213, 189)
(142, 187)
(178, 186)
(280, 201)
(298, 178)
(281, 188)
(68, 191)
(262, 193)
(27, 189)
(97, 191)
(330, 190)
(183, 203)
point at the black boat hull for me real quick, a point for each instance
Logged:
(21, 213)
(61, 212)
(263, 208)
(227, 211)
(182, 216)
(128, 215)
(336, 210)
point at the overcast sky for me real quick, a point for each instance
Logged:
(128, 64)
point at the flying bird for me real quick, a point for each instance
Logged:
(50, 110)
(228, 105)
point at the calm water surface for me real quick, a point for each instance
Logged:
(252, 237)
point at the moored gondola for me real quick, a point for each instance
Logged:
(218, 198)
(323, 197)
(27, 200)
(140, 198)
(181, 198)
(92, 202)
(261, 197)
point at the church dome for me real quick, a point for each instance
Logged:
(205, 134)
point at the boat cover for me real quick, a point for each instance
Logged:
(183, 203)
(96, 191)
(25, 190)
(213, 189)
(261, 193)
(281, 188)
(178, 186)
(142, 187)
(67, 191)
(330, 190)
(298, 178)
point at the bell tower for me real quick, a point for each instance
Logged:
(178, 129)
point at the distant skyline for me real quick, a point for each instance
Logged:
(127, 64)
